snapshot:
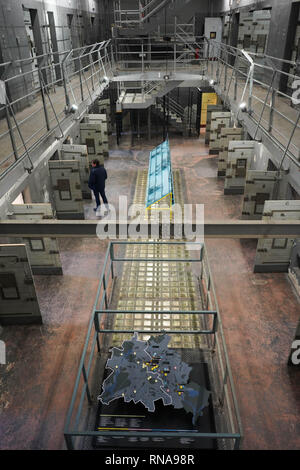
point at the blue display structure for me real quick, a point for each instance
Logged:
(160, 178)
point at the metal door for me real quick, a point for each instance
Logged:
(259, 187)
(218, 122)
(273, 255)
(227, 135)
(211, 108)
(18, 300)
(90, 135)
(240, 154)
(80, 154)
(102, 120)
(66, 185)
(43, 252)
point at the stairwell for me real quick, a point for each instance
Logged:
(149, 94)
(148, 18)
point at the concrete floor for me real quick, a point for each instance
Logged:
(259, 313)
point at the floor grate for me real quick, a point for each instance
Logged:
(163, 286)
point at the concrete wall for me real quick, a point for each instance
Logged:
(281, 11)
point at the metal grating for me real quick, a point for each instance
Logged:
(164, 286)
(141, 188)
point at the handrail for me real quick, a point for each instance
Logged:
(172, 105)
(256, 78)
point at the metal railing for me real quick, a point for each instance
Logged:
(130, 18)
(46, 94)
(64, 79)
(172, 106)
(80, 426)
(255, 83)
(142, 55)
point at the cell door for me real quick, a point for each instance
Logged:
(247, 42)
(80, 154)
(18, 300)
(43, 252)
(241, 167)
(66, 186)
(273, 255)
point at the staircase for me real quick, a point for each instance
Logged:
(174, 111)
(147, 17)
(125, 18)
(151, 91)
(179, 118)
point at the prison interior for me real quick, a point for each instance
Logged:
(102, 89)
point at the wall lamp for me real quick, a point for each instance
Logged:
(243, 107)
(73, 108)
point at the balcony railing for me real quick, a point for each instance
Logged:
(45, 94)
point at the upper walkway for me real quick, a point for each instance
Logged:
(37, 116)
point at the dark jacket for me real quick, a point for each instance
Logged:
(97, 178)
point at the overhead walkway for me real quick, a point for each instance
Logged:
(270, 115)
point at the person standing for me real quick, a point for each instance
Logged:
(96, 183)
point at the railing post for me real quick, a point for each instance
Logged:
(105, 294)
(80, 78)
(111, 252)
(237, 443)
(92, 71)
(218, 67)
(250, 88)
(232, 73)
(290, 140)
(271, 116)
(264, 105)
(87, 385)
(226, 69)
(235, 84)
(11, 132)
(64, 72)
(43, 94)
(69, 442)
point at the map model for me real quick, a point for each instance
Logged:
(147, 371)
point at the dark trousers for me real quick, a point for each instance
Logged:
(102, 193)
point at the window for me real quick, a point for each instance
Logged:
(90, 143)
(36, 244)
(8, 286)
(63, 186)
(279, 243)
(259, 202)
(241, 164)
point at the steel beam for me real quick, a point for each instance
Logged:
(212, 229)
